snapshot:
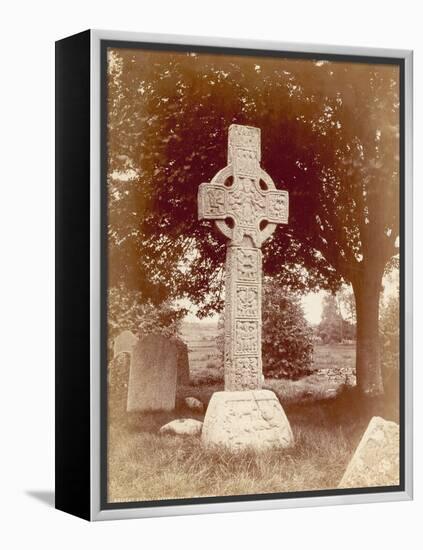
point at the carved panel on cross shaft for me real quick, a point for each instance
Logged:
(246, 337)
(228, 326)
(246, 373)
(247, 265)
(246, 301)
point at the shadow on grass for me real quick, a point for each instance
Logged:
(348, 409)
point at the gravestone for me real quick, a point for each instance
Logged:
(183, 362)
(152, 375)
(375, 462)
(124, 342)
(246, 207)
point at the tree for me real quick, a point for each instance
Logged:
(287, 337)
(333, 328)
(330, 136)
(330, 327)
(127, 310)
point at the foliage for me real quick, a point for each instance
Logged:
(346, 302)
(128, 311)
(389, 334)
(333, 327)
(329, 130)
(287, 338)
(330, 136)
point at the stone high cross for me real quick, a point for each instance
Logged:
(246, 207)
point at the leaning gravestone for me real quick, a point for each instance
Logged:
(152, 375)
(375, 462)
(246, 207)
(124, 342)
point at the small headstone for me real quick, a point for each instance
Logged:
(375, 462)
(183, 362)
(194, 404)
(248, 419)
(124, 342)
(182, 426)
(152, 375)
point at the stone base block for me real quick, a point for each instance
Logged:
(241, 420)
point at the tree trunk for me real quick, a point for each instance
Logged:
(367, 288)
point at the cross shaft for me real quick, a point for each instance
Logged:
(246, 207)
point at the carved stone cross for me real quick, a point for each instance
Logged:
(246, 206)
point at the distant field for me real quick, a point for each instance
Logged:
(206, 364)
(204, 358)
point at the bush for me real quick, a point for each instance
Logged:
(287, 337)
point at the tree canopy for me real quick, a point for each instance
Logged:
(329, 136)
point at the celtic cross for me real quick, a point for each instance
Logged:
(246, 207)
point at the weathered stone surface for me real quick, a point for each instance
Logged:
(375, 462)
(124, 342)
(152, 375)
(194, 404)
(182, 426)
(244, 193)
(246, 419)
(182, 362)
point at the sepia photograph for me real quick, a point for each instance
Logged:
(253, 284)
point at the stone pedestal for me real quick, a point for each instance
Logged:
(240, 420)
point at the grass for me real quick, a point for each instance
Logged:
(144, 465)
(326, 417)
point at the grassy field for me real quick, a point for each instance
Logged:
(326, 418)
